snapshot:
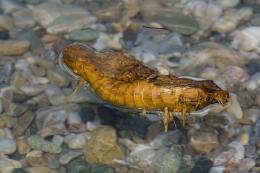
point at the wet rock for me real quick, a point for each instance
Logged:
(203, 164)
(212, 54)
(244, 138)
(8, 165)
(228, 155)
(33, 90)
(7, 145)
(22, 145)
(82, 35)
(69, 23)
(228, 4)
(36, 47)
(40, 169)
(203, 140)
(111, 41)
(231, 19)
(58, 140)
(250, 116)
(171, 162)
(247, 39)
(235, 108)
(55, 95)
(76, 141)
(38, 143)
(13, 47)
(142, 155)
(13, 109)
(216, 121)
(36, 158)
(217, 169)
(51, 120)
(23, 122)
(23, 18)
(246, 164)
(253, 83)
(102, 146)
(66, 158)
(47, 12)
(74, 121)
(57, 79)
(177, 22)
(6, 23)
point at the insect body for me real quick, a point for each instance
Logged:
(122, 80)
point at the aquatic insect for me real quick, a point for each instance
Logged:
(122, 80)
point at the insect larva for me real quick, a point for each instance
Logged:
(122, 80)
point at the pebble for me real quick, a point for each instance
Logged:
(13, 47)
(55, 95)
(23, 123)
(23, 18)
(7, 145)
(47, 12)
(231, 19)
(57, 79)
(102, 146)
(6, 23)
(204, 140)
(69, 23)
(8, 165)
(177, 22)
(36, 158)
(235, 108)
(33, 90)
(22, 145)
(76, 141)
(251, 115)
(211, 54)
(57, 139)
(38, 143)
(247, 39)
(82, 35)
(246, 164)
(66, 158)
(244, 138)
(228, 4)
(40, 169)
(171, 162)
(51, 121)
(253, 83)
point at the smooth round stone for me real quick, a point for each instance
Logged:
(57, 79)
(58, 140)
(6, 23)
(228, 4)
(244, 138)
(251, 115)
(171, 162)
(235, 108)
(203, 141)
(23, 18)
(14, 47)
(231, 19)
(47, 12)
(36, 158)
(177, 22)
(22, 145)
(247, 39)
(66, 158)
(38, 143)
(7, 145)
(102, 146)
(69, 23)
(246, 164)
(40, 169)
(33, 90)
(76, 141)
(82, 35)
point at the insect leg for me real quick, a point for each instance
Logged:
(183, 116)
(71, 95)
(143, 113)
(166, 119)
